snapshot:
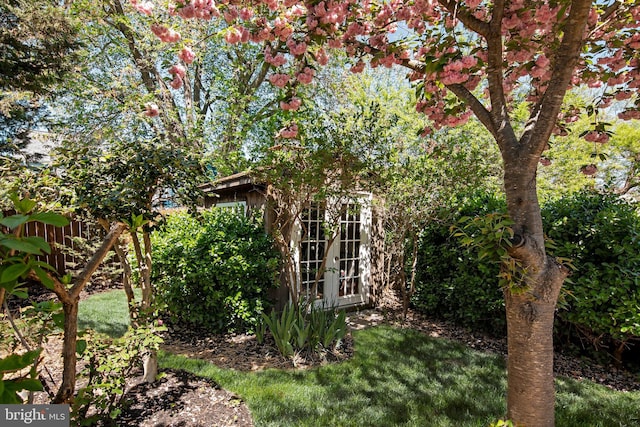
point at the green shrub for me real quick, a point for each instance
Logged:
(600, 233)
(214, 271)
(451, 282)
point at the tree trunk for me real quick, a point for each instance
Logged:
(530, 383)
(150, 366)
(68, 387)
(119, 248)
(530, 304)
(70, 299)
(143, 270)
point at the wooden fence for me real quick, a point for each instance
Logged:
(66, 249)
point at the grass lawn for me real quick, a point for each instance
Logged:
(106, 312)
(398, 377)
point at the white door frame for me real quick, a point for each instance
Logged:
(332, 274)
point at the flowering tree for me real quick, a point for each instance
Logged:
(470, 57)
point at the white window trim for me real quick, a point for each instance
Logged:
(233, 205)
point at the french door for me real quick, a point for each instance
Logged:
(334, 254)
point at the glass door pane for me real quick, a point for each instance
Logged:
(312, 250)
(349, 281)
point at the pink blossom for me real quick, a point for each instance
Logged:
(233, 35)
(469, 61)
(230, 14)
(545, 161)
(542, 61)
(144, 7)
(151, 110)
(177, 82)
(617, 80)
(178, 71)
(276, 61)
(187, 55)
(597, 136)
(279, 80)
(426, 132)
(297, 10)
(334, 43)
(358, 68)
(629, 115)
(245, 35)
(246, 14)
(593, 16)
(511, 22)
(472, 4)
(388, 60)
(288, 132)
(296, 49)
(589, 170)
(165, 34)
(537, 72)
(453, 77)
(292, 105)
(322, 57)
(306, 76)
(199, 9)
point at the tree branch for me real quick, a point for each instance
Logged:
(464, 15)
(544, 114)
(476, 106)
(114, 234)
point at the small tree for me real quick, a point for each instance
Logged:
(325, 167)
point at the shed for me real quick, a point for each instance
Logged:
(345, 256)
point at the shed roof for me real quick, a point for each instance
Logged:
(237, 182)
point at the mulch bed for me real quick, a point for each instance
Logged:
(182, 399)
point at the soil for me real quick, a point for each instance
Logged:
(182, 399)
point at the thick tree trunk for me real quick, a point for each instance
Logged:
(530, 304)
(68, 387)
(530, 383)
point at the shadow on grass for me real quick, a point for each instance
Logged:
(106, 313)
(114, 329)
(400, 377)
(397, 377)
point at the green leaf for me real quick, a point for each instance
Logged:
(23, 206)
(9, 397)
(44, 277)
(21, 245)
(58, 319)
(81, 346)
(15, 362)
(30, 384)
(12, 272)
(50, 218)
(20, 293)
(39, 242)
(14, 221)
